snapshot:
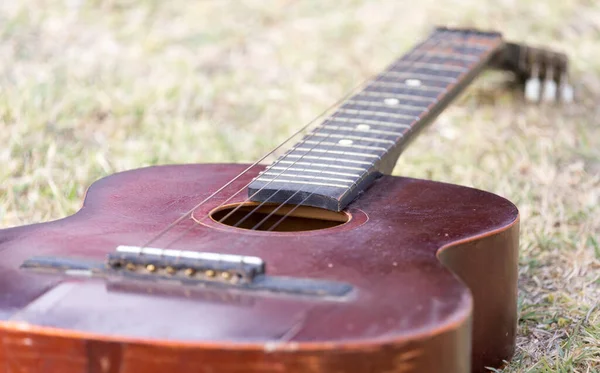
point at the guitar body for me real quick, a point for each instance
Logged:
(432, 269)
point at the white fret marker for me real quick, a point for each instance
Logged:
(391, 101)
(413, 82)
(345, 142)
(363, 127)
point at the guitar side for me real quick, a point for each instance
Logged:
(407, 312)
(488, 265)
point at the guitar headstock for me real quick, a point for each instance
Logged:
(543, 72)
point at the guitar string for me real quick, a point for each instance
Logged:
(382, 75)
(291, 165)
(239, 206)
(256, 208)
(413, 62)
(291, 211)
(273, 226)
(482, 55)
(191, 211)
(246, 170)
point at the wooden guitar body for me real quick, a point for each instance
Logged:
(432, 269)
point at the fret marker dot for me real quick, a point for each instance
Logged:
(345, 142)
(412, 82)
(363, 127)
(391, 101)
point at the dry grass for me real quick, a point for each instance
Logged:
(88, 88)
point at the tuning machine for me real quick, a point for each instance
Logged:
(543, 72)
(546, 76)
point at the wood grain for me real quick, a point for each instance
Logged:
(408, 312)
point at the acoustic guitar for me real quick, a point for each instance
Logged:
(319, 262)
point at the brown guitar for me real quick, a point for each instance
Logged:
(320, 262)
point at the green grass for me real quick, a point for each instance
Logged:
(88, 88)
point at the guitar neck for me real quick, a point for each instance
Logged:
(409, 94)
(364, 137)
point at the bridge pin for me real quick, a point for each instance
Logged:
(209, 273)
(225, 275)
(236, 278)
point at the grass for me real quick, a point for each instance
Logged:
(88, 88)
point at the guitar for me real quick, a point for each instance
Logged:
(318, 262)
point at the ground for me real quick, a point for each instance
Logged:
(88, 88)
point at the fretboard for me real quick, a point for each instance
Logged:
(364, 137)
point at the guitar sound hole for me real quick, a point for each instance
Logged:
(278, 218)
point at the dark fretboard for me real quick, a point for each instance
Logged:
(331, 165)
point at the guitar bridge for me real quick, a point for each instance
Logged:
(162, 267)
(189, 265)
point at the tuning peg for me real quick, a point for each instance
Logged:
(549, 86)
(566, 91)
(533, 86)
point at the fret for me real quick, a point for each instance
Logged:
(410, 74)
(405, 91)
(336, 166)
(467, 50)
(294, 169)
(413, 82)
(360, 138)
(304, 156)
(382, 103)
(396, 95)
(466, 65)
(350, 144)
(430, 72)
(430, 65)
(368, 121)
(377, 114)
(391, 107)
(308, 177)
(477, 47)
(339, 152)
(337, 128)
(302, 182)
(402, 85)
(456, 56)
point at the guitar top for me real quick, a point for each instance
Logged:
(318, 262)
